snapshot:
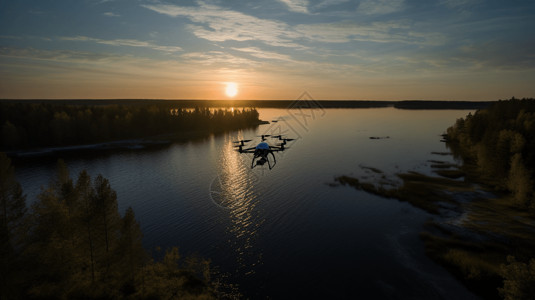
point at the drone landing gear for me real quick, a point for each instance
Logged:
(261, 160)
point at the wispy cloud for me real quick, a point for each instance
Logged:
(259, 53)
(218, 24)
(327, 3)
(459, 3)
(124, 42)
(57, 55)
(464, 8)
(110, 14)
(217, 58)
(379, 32)
(496, 55)
(300, 6)
(380, 7)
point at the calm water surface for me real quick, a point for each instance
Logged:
(286, 233)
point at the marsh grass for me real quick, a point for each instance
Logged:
(470, 236)
(475, 263)
(422, 191)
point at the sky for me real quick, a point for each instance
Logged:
(267, 49)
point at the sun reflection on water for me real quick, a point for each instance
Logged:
(235, 189)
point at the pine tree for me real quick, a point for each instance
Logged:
(130, 254)
(107, 219)
(55, 239)
(85, 195)
(13, 210)
(519, 182)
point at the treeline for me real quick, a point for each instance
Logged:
(72, 243)
(25, 125)
(501, 141)
(423, 104)
(302, 103)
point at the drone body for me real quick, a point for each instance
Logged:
(262, 150)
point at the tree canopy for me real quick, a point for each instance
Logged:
(72, 243)
(501, 140)
(26, 125)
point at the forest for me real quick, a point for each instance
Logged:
(500, 140)
(497, 147)
(72, 243)
(30, 125)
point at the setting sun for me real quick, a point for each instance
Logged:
(231, 90)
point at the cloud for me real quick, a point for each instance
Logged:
(259, 53)
(216, 24)
(327, 3)
(124, 42)
(299, 6)
(57, 55)
(459, 3)
(380, 7)
(379, 32)
(217, 58)
(110, 14)
(497, 55)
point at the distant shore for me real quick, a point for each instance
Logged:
(290, 104)
(161, 140)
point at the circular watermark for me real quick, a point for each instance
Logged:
(221, 194)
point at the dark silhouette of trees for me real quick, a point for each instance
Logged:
(12, 211)
(501, 140)
(73, 243)
(26, 125)
(519, 279)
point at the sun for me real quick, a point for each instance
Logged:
(231, 89)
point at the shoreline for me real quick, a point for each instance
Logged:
(165, 139)
(473, 227)
(305, 103)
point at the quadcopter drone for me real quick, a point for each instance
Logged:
(263, 149)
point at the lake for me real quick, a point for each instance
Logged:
(286, 232)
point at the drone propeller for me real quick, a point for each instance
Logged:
(247, 150)
(280, 137)
(241, 141)
(279, 147)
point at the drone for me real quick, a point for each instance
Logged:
(262, 150)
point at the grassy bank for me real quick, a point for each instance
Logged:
(471, 234)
